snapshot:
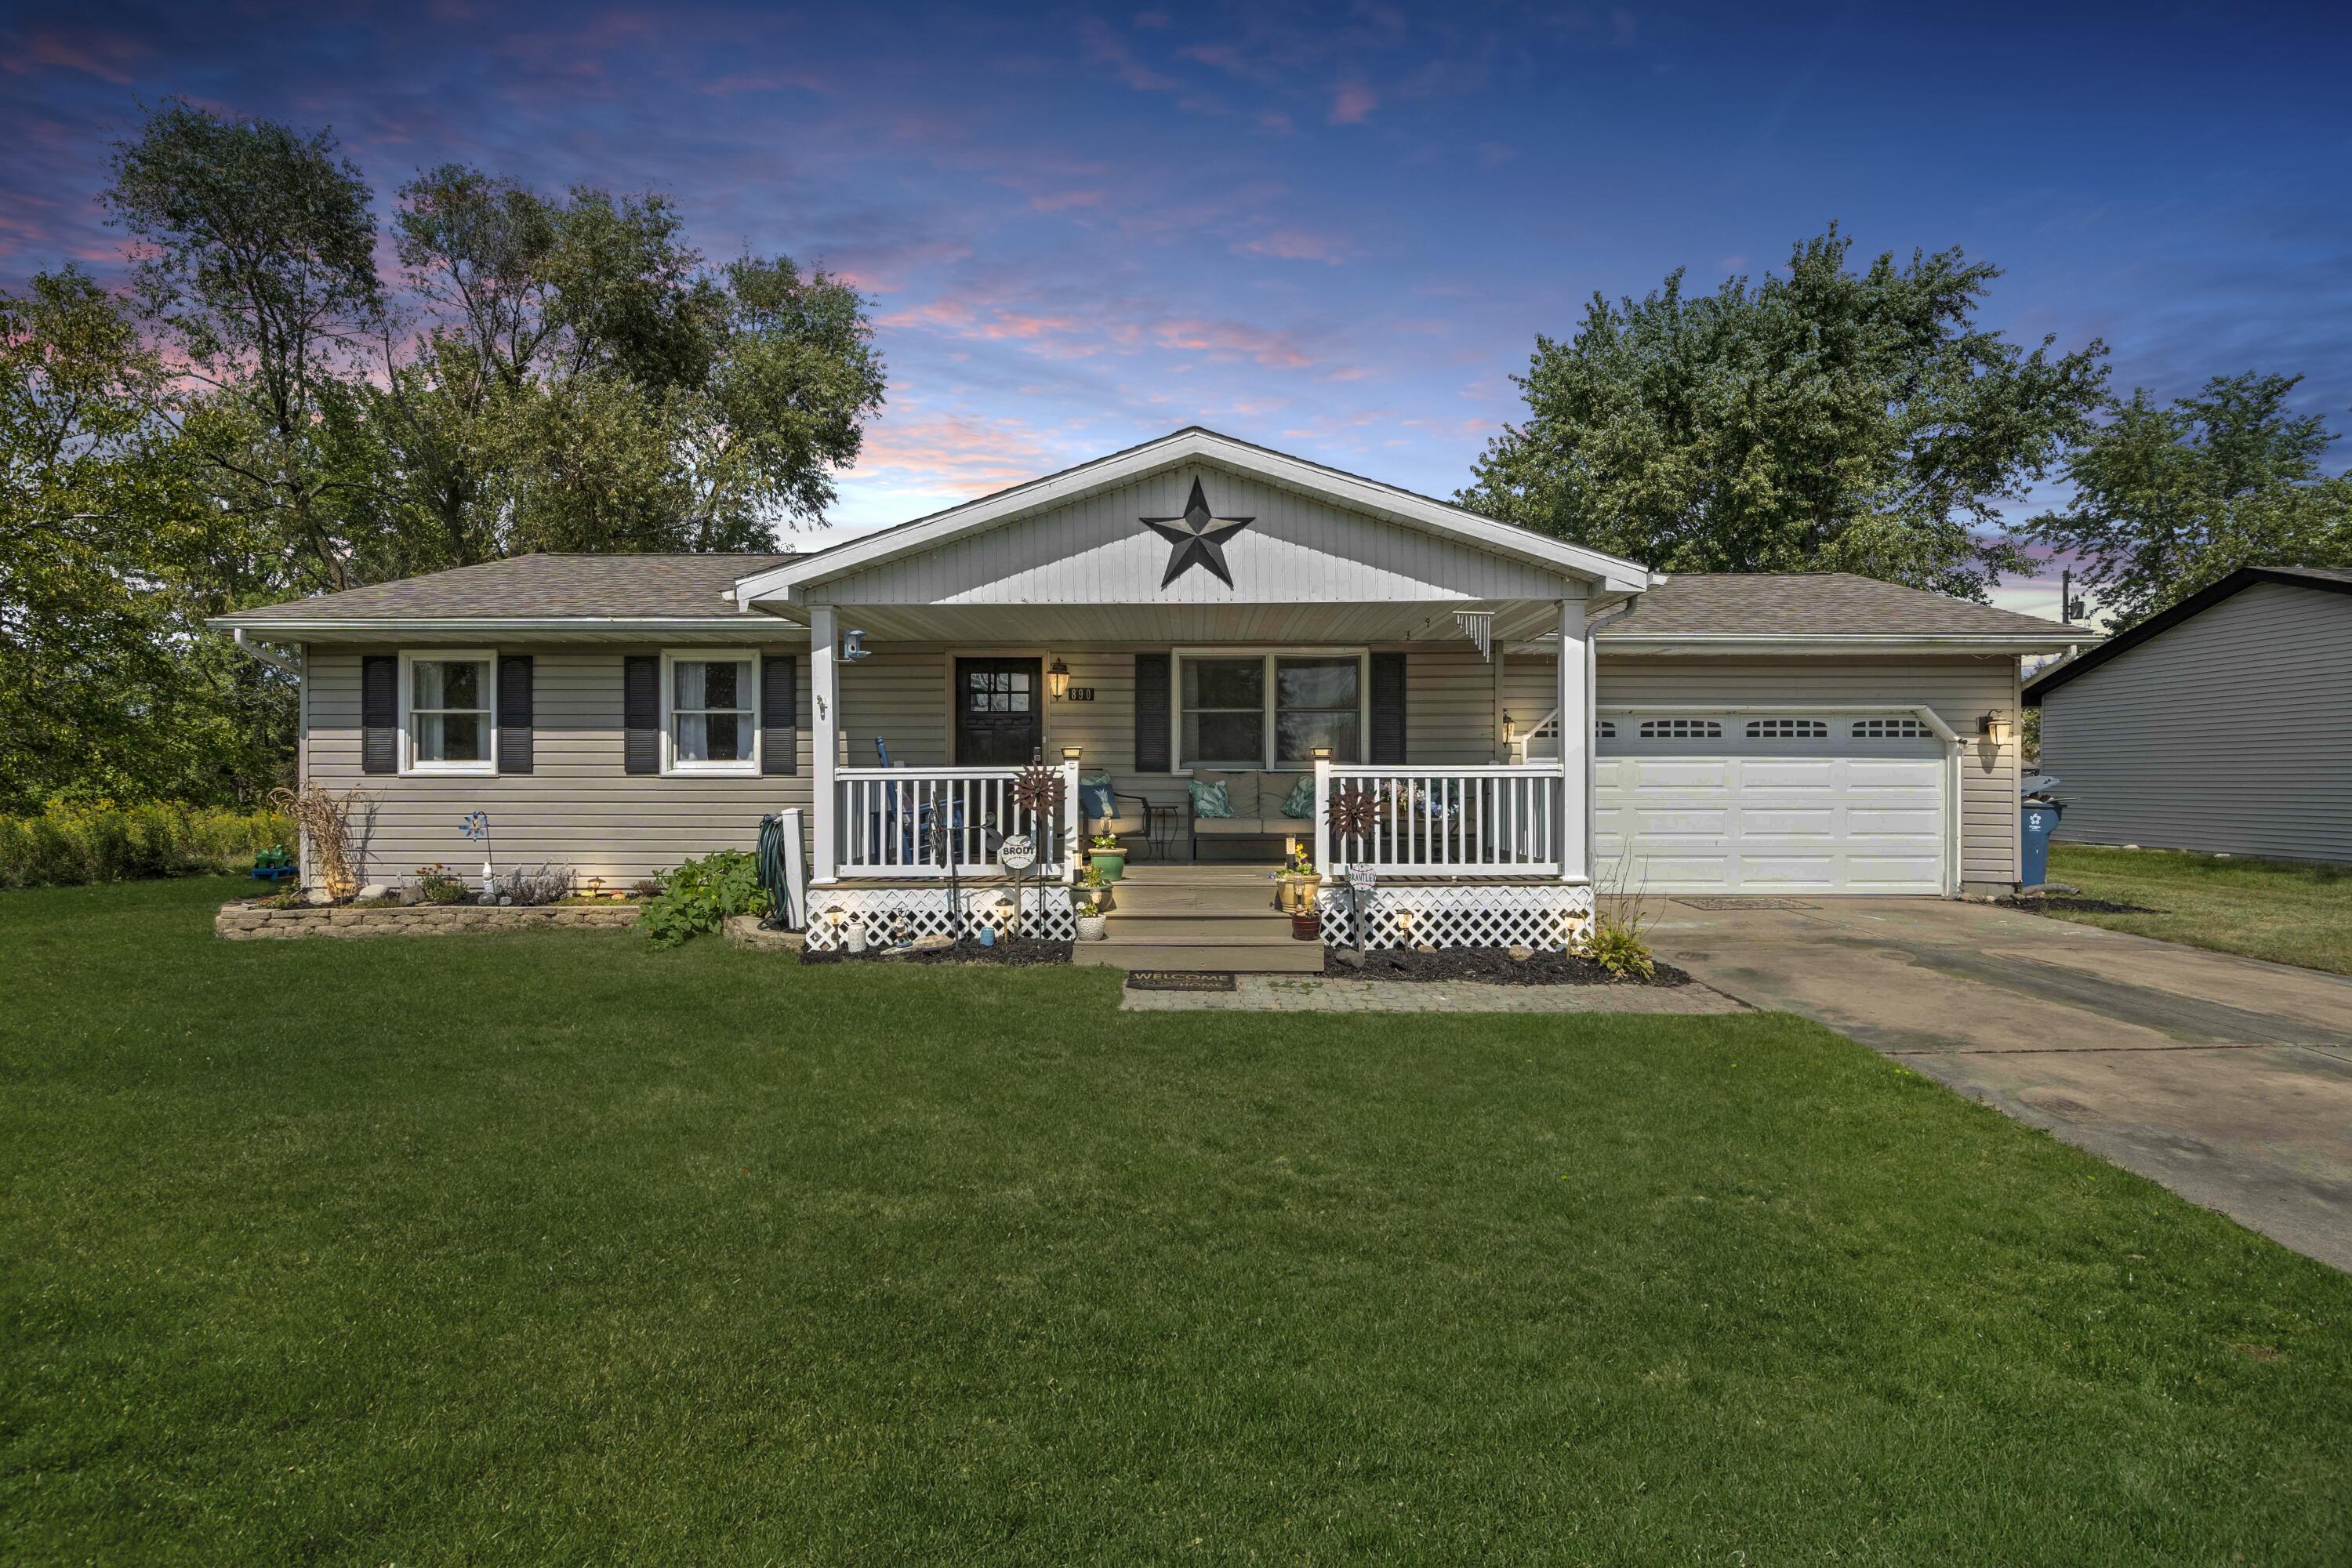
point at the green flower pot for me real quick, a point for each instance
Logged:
(1112, 861)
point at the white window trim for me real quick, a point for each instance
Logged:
(671, 766)
(1265, 763)
(413, 766)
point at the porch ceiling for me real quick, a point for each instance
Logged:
(1181, 625)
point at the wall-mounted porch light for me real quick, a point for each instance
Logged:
(1511, 730)
(1992, 727)
(1057, 679)
(853, 645)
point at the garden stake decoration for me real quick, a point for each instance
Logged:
(1037, 790)
(1351, 814)
(477, 825)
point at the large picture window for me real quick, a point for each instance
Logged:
(449, 725)
(711, 726)
(1268, 709)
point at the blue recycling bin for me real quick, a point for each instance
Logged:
(2037, 820)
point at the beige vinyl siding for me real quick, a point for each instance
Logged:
(1297, 549)
(2229, 732)
(577, 809)
(1957, 688)
(580, 809)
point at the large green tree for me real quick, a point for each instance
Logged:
(106, 688)
(266, 413)
(1824, 419)
(2169, 499)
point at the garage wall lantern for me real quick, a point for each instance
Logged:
(1992, 727)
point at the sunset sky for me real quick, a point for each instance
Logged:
(1333, 230)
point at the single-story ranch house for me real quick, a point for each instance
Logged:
(2223, 724)
(1190, 613)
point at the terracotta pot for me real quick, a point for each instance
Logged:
(1298, 892)
(1306, 925)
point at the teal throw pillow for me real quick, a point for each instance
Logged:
(1300, 801)
(1210, 799)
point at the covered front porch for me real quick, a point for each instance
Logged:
(1208, 645)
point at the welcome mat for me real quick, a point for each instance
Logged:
(1179, 980)
(1733, 903)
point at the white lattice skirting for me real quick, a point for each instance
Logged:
(1046, 912)
(1547, 917)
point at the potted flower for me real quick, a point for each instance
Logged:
(1296, 882)
(1109, 855)
(1096, 883)
(1092, 926)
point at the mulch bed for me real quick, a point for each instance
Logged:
(2067, 904)
(1490, 966)
(1020, 952)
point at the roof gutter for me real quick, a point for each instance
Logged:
(764, 627)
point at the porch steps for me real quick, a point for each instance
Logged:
(1200, 918)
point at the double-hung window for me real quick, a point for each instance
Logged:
(710, 724)
(448, 721)
(1268, 709)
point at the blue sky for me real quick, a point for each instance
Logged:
(1331, 229)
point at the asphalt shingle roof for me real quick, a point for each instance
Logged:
(631, 587)
(538, 587)
(1810, 604)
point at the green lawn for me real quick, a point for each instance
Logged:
(554, 1247)
(2277, 909)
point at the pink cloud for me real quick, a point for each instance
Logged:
(1232, 340)
(1105, 47)
(1295, 244)
(1352, 103)
(954, 453)
(106, 56)
(1063, 201)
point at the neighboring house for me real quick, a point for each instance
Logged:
(2223, 724)
(1192, 606)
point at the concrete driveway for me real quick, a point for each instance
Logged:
(2227, 1079)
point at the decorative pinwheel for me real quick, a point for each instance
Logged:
(1037, 790)
(475, 825)
(1352, 812)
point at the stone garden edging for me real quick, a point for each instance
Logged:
(242, 921)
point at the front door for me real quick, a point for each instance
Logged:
(1000, 713)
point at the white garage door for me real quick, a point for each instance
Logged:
(1826, 803)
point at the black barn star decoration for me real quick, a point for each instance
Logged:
(1197, 536)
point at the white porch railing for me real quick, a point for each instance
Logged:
(1491, 821)
(889, 821)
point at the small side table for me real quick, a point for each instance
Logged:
(1159, 829)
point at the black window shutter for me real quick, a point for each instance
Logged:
(1388, 708)
(641, 713)
(514, 713)
(780, 714)
(1151, 713)
(379, 714)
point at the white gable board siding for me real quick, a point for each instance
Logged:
(1957, 688)
(2231, 732)
(577, 809)
(1095, 552)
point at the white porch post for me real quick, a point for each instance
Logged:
(1073, 823)
(1575, 745)
(824, 691)
(1323, 818)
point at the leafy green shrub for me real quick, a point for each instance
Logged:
(701, 895)
(66, 845)
(1617, 946)
(436, 884)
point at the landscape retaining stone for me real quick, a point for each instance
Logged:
(249, 922)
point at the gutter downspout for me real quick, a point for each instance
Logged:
(244, 641)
